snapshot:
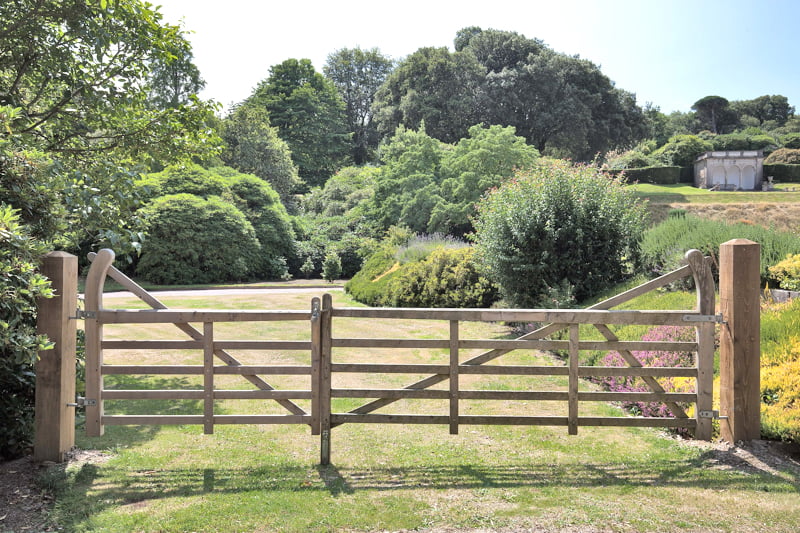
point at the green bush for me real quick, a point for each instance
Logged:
(780, 372)
(658, 175)
(682, 150)
(783, 173)
(791, 140)
(369, 285)
(262, 207)
(178, 179)
(448, 277)
(783, 156)
(20, 285)
(665, 245)
(331, 267)
(787, 272)
(558, 231)
(192, 240)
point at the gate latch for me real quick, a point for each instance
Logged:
(80, 401)
(711, 414)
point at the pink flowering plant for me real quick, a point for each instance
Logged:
(653, 358)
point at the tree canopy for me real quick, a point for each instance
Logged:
(560, 104)
(74, 80)
(357, 75)
(310, 116)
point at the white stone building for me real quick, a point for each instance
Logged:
(731, 171)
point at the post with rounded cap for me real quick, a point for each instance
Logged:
(740, 343)
(55, 370)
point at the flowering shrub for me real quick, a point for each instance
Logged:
(656, 359)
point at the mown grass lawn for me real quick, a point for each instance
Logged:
(382, 477)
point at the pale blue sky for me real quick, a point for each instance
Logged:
(670, 53)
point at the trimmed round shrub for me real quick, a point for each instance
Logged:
(791, 140)
(262, 206)
(447, 277)
(785, 156)
(556, 232)
(178, 179)
(191, 240)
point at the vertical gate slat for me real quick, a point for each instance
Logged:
(316, 348)
(574, 339)
(208, 378)
(325, 380)
(454, 377)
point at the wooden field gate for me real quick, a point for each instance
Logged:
(322, 364)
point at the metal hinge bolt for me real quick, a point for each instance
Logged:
(711, 414)
(80, 401)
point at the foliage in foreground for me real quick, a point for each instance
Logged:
(20, 285)
(780, 371)
(558, 232)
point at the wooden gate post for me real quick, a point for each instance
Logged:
(55, 370)
(740, 342)
(325, 380)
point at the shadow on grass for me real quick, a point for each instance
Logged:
(94, 488)
(133, 435)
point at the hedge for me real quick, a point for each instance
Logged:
(657, 175)
(783, 173)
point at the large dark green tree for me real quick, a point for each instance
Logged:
(309, 114)
(768, 110)
(714, 114)
(562, 105)
(357, 74)
(431, 86)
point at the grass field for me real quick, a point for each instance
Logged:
(778, 209)
(267, 478)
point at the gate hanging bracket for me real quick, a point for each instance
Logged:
(703, 318)
(711, 414)
(80, 401)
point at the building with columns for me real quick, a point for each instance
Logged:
(730, 170)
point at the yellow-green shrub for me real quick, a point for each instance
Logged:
(780, 372)
(787, 272)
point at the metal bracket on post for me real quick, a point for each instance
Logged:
(711, 414)
(703, 318)
(80, 401)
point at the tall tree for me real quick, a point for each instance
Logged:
(309, 114)
(358, 74)
(774, 109)
(714, 113)
(175, 78)
(253, 146)
(431, 86)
